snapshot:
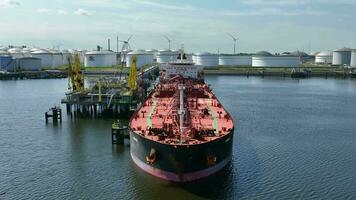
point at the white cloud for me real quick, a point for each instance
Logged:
(9, 3)
(50, 11)
(44, 10)
(272, 12)
(61, 12)
(263, 3)
(82, 12)
(165, 6)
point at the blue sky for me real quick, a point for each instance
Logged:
(273, 25)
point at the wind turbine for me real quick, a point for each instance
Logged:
(125, 47)
(126, 44)
(169, 42)
(235, 41)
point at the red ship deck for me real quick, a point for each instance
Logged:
(205, 118)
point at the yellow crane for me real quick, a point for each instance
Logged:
(75, 76)
(132, 80)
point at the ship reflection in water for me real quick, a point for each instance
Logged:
(294, 139)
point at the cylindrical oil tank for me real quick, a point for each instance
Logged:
(65, 55)
(342, 56)
(143, 58)
(6, 62)
(99, 59)
(57, 58)
(28, 64)
(81, 53)
(235, 60)
(206, 59)
(15, 52)
(154, 52)
(265, 59)
(324, 57)
(165, 56)
(45, 56)
(353, 58)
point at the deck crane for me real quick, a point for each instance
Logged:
(132, 79)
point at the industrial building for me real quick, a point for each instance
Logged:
(28, 64)
(324, 57)
(99, 59)
(206, 59)
(266, 59)
(45, 56)
(165, 56)
(235, 60)
(353, 58)
(143, 58)
(342, 56)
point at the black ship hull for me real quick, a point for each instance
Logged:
(181, 163)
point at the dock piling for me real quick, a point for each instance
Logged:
(55, 113)
(118, 133)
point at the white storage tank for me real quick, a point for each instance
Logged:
(266, 59)
(353, 58)
(206, 59)
(99, 59)
(6, 61)
(65, 55)
(165, 56)
(26, 52)
(57, 58)
(143, 58)
(45, 56)
(28, 64)
(342, 56)
(154, 52)
(314, 54)
(81, 53)
(235, 60)
(324, 57)
(15, 52)
(304, 57)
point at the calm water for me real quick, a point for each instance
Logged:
(293, 139)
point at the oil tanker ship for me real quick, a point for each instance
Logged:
(181, 132)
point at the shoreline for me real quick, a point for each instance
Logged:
(326, 72)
